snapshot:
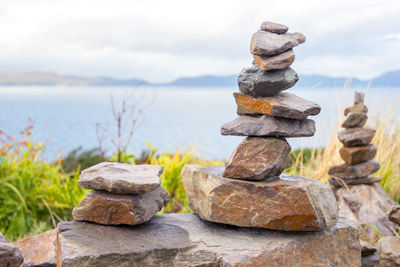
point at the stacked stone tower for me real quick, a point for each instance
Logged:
(250, 190)
(357, 151)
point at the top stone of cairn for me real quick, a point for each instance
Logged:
(121, 178)
(274, 27)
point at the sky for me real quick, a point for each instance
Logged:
(160, 41)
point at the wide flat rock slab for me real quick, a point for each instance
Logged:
(360, 170)
(255, 82)
(265, 43)
(265, 125)
(113, 209)
(119, 178)
(360, 136)
(289, 203)
(356, 181)
(184, 240)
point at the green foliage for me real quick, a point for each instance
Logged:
(81, 159)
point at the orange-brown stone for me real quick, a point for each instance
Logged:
(357, 108)
(277, 62)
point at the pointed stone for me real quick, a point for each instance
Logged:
(357, 154)
(356, 108)
(354, 120)
(255, 82)
(277, 62)
(356, 136)
(114, 209)
(288, 203)
(274, 27)
(283, 105)
(121, 178)
(358, 98)
(257, 158)
(356, 181)
(265, 43)
(360, 170)
(264, 126)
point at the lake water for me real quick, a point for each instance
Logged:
(65, 117)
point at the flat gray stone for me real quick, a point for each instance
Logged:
(360, 136)
(255, 82)
(273, 27)
(119, 178)
(265, 43)
(355, 181)
(10, 255)
(264, 126)
(355, 119)
(184, 240)
(361, 170)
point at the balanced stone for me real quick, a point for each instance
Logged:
(359, 136)
(10, 255)
(289, 203)
(356, 108)
(358, 98)
(121, 178)
(283, 105)
(277, 62)
(274, 27)
(356, 181)
(257, 158)
(265, 43)
(255, 82)
(389, 251)
(268, 126)
(394, 215)
(360, 170)
(113, 209)
(357, 154)
(355, 119)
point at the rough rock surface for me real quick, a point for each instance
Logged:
(367, 248)
(358, 98)
(184, 240)
(367, 180)
(370, 260)
(389, 251)
(356, 108)
(121, 178)
(10, 255)
(367, 205)
(356, 136)
(283, 105)
(268, 126)
(39, 250)
(394, 214)
(355, 119)
(288, 203)
(273, 27)
(113, 209)
(265, 43)
(255, 82)
(357, 154)
(277, 62)
(360, 170)
(257, 158)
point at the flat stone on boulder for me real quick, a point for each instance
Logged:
(357, 154)
(355, 119)
(113, 209)
(277, 62)
(288, 203)
(185, 240)
(265, 43)
(284, 105)
(119, 178)
(265, 125)
(340, 182)
(358, 108)
(255, 82)
(39, 250)
(273, 27)
(389, 251)
(257, 158)
(394, 214)
(356, 136)
(10, 255)
(360, 170)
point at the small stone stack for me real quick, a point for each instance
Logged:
(122, 194)
(250, 191)
(357, 151)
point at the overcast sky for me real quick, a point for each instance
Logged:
(162, 40)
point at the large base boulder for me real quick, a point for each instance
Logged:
(288, 203)
(389, 251)
(368, 205)
(185, 240)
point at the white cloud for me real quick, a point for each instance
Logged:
(163, 40)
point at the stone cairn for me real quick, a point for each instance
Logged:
(250, 191)
(357, 151)
(122, 194)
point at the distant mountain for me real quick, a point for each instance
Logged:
(389, 79)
